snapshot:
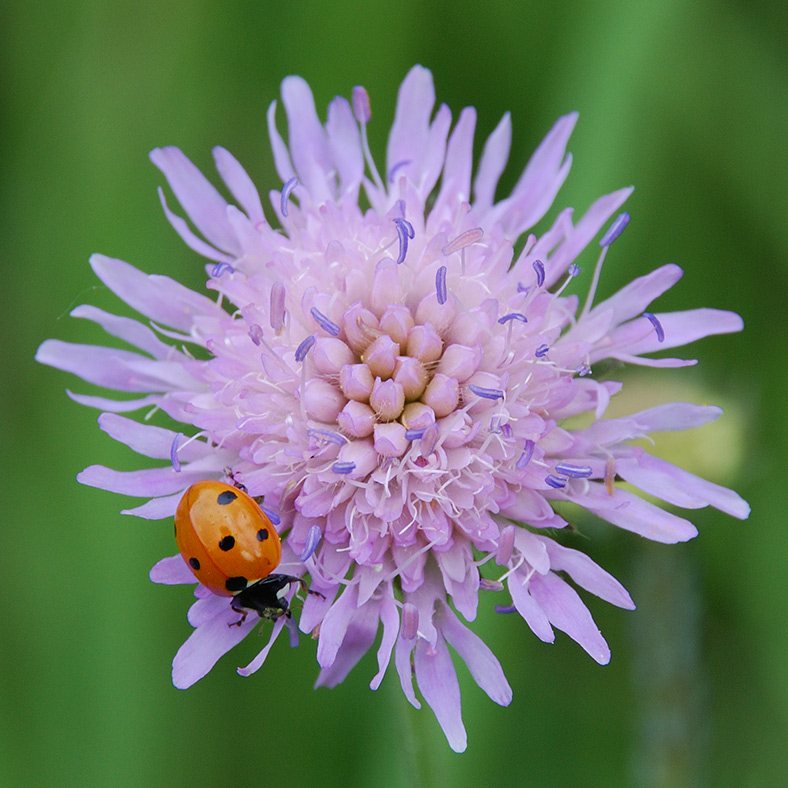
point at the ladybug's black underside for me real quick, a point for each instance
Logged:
(263, 597)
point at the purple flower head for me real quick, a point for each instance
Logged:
(396, 383)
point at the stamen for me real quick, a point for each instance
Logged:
(277, 309)
(574, 270)
(429, 440)
(654, 320)
(404, 232)
(343, 468)
(541, 351)
(525, 457)
(176, 463)
(361, 106)
(621, 221)
(327, 325)
(610, 475)
(287, 190)
(463, 240)
(490, 585)
(583, 369)
(413, 435)
(410, 621)
(487, 393)
(440, 284)
(312, 541)
(539, 268)
(513, 316)
(505, 609)
(304, 348)
(271, 515)
(397, 166)
(331, 437)
(220, 268)
(555, 482)
(573, 471)
(505, 546)
(256, 333)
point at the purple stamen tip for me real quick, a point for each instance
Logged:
(621, 221)
(541, 351)
(574, 270)
(490, 585)
(654, 320)
(513, 316)
(539, 268)
(361, 107)
(329, 326)
(404, 232)
(287, 190)
(343, 468)
(505, 609)
(176, 463)
(555, 482)
(271, 515)
(277, 310)
(256, 333)
(463, 240)
(304, 348)
(525, 457)
(440, 284)
(312, 541)
(573, 471)
(583, 369)
(413, 435)
(397, 166)
(331, 437)
(220, 268)
(482, 391)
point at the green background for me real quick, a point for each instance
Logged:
(686, 100)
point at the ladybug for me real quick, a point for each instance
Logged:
(232, 548)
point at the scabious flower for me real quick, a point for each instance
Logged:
(396, 381)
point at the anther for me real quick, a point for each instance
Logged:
(556, 482)
(513, 316)
(440, 284)
(327, 435)
(463, 240)
(505, 546)
(404, 232)
(490, 585)
(410, 621)
(621, 221)
(399, 165)
(574, 270)
(220, 268)
(277, 309)
(327, 325)
(573, 471)
(487, 393)
(539, 268)
(525, 457)
(271, 515)
(176, 463)
(361, 106)
(654, 320)
(287, 190)
(304, 348)
(256, 333)
(413, 435)
(541, 351)
(343, 468)
(312, 541)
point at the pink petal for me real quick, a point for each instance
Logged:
(439, 687)
(116, 406)
(151, 441)
(158, 297)
(567, 612)
(529, 609)
(492, 164)
(127, 329)
(157, 508)
(188, 236)
(199, 198)
(335, 626)
(258, 661)
(634, 298)
(172, 570)
(284, 167)
(482, 663)
(404, 667)
(150, 482)
(456, 178)
(344, 143)
(389, 617)
(206, 645)
(675, 416)
(239, 183)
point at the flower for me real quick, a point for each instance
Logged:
(395, 381)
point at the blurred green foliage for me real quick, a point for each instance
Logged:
(688, 101)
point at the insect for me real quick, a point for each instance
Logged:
(232, 548)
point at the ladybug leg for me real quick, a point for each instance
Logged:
(243, 611)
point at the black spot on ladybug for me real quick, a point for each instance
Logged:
(227, 543)
(228, 496)
(194, 564)
(262, 535)
(235, 583)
